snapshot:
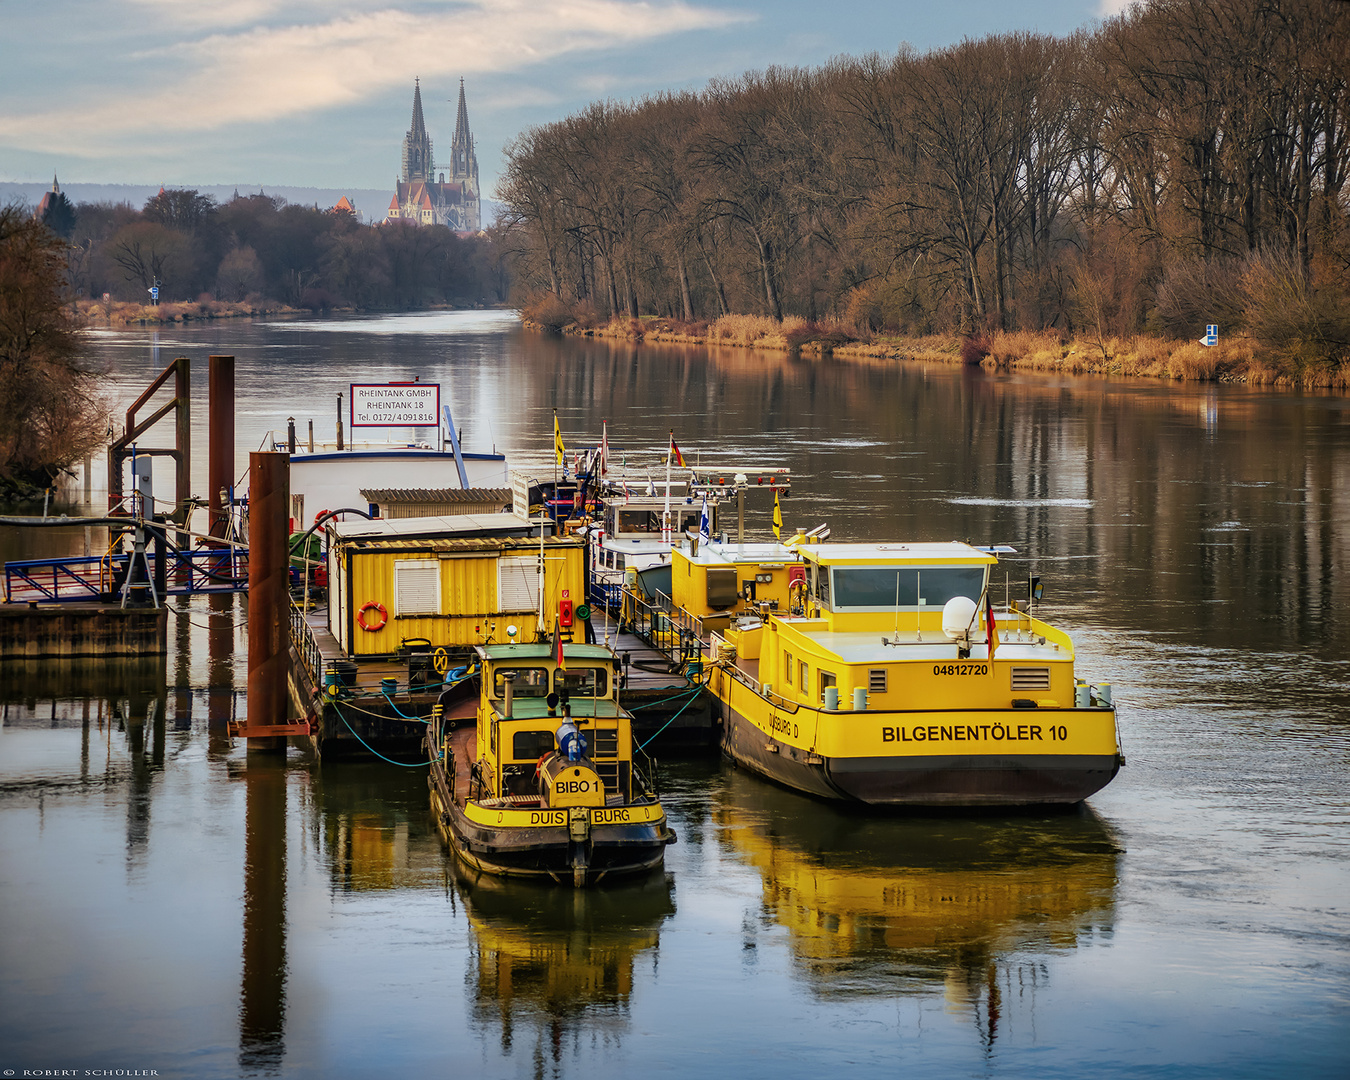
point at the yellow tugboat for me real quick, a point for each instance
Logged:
(541, 782)
(881, 674)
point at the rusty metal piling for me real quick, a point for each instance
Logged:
(268, 602)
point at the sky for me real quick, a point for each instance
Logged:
(318, 93)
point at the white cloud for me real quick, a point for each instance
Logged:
(267, 73)
(1110, 8)
(227, 13)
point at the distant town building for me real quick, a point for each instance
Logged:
(422, 198)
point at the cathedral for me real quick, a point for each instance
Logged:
(425, 200)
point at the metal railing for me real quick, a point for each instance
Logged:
(87, 578)
(668, 629)
(302, 637)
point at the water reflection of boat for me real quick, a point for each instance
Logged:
(548, 960)
(868, 900)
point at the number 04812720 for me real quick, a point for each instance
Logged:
(960, 669)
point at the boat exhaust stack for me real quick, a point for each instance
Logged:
(509, 679)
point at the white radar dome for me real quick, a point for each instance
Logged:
(958, 617)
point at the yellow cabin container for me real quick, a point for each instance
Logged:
(454, 582)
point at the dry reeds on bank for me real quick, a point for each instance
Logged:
(1237, 358)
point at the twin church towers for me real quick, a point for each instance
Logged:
(453, 201)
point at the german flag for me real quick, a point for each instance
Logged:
(675, 454)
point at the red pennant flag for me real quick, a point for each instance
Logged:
(990, 627)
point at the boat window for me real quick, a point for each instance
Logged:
(827, 680)
(822, 584)
(619, 561)
(881, 588)
(531, 745)
(583, 681)
(639, 521)
(530, 682)
(787, 667)
(805, 673)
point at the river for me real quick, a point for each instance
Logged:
(168, 906)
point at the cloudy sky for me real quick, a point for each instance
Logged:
(318, 93)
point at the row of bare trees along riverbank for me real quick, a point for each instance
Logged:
(1180, 165)
(258, 251)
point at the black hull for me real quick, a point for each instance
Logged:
(922, 780)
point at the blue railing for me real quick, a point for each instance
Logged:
(85, 578)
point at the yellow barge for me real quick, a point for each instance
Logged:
(881, 674)
(542, 782)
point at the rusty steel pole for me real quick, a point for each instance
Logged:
(220, 452)
(269, 594)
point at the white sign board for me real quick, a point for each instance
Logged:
(395, 404)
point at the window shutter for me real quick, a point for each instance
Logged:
(517, 582)
(417, 587)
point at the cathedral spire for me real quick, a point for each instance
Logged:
(419, 127)
(463, 161)
(461, 119)
(417, 159)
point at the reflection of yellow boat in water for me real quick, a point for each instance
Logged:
(549, 959)
(933, 898)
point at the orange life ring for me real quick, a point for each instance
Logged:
(320, 515)
(373, 625)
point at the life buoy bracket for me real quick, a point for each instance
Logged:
(377, 623)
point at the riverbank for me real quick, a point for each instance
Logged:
(1237, 359)
(118, 313)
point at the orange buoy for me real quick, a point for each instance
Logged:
(377, 623)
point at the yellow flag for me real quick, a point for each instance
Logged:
(558, 448)
(777, 517)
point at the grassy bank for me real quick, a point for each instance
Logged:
(117, 313)
(1235, 359)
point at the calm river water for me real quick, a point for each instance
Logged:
(167, 905)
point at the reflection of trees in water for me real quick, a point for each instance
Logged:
(878, 905)
(557, 962)
(1187, 494)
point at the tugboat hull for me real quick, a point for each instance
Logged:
(551, 852)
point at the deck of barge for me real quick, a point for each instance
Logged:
(670, 712)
